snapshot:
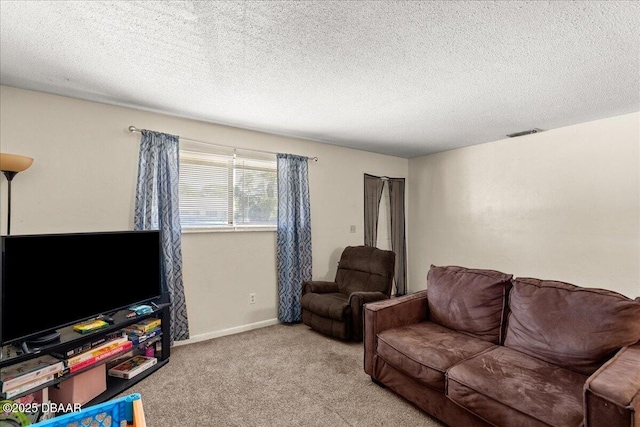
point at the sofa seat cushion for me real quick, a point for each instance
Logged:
(426, 350)
(503, 385)
(331, 327)
(596, 323)
(468, 300)
(332, 305)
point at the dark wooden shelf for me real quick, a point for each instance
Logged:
(115, 386)
(71, 339)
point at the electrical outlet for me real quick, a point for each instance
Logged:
(252, 298)
(353, 229)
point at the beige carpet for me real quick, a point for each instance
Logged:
(282, 375)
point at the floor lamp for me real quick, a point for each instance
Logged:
(10, 165)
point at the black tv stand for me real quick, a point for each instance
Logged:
(70, 339)
(39, 340)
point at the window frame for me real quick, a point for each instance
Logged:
(236, 154)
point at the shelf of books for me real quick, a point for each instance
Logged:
(87, 367)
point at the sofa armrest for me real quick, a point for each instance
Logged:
(318, 287)
(357, 300)
(391, 313)
(612, 393)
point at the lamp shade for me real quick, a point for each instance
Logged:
(14, 162)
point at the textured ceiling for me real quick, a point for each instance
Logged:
(400, 78)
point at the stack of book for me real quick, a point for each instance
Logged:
(86, 346)
(98, 353)
(143, 331)
(142, 327)
(22, 377)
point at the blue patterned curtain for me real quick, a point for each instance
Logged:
(157, 208)
(294, 235)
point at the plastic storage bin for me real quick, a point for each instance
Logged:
(125, 411)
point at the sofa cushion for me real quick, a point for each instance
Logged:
(506, 387)
(341, 329)
(365, 268)
(573, 327)
(332, 305)
(426, 350)
(468, 300)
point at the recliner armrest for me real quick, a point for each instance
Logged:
(612, 393)
(319, 287)
(357, 300)
(362, 298)
(392, 313)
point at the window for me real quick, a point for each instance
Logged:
(227, 188)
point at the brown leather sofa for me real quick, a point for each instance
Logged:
(479, 347)
(365, 274)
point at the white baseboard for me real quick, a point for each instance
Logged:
(229, 331)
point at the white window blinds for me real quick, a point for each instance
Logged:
(226, 188)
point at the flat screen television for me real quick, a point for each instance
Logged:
(50, 281)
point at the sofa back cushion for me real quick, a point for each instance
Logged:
(467, 300)
(365, 269)
(570, 326)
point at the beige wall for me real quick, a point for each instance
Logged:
(562, 204)
(83, 179)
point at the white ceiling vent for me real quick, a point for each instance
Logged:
(524, 132)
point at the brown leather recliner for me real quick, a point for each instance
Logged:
(365, 274)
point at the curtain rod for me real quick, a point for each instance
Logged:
(383, 178)
(133, 129)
